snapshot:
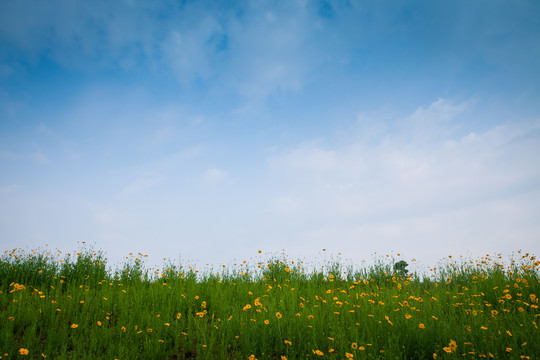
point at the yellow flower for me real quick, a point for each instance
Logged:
(99, 323)
(278, 315)
(123, 328)
(178, 315)
(349, 355)
(361, 348)
(149, 330)
(267, 322)
(282, 357)
(74, 326)
(287, 342)
(407, 316)
(354, 346)
(318, 352)
(23, 351)
(508, 349)
(421, 326)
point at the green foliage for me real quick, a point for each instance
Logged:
(401, 268)
(72, 308)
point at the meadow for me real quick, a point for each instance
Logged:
(73, 306)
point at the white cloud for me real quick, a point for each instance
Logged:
(44, 129)
(412, 189)
(37, 157)
(214, 176)
(141, 184)
(10, 189)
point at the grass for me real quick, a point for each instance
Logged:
(73, 307)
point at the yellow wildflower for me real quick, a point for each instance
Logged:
(23, 351)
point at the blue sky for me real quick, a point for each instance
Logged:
(209, 130)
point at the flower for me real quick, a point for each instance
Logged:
(74, 326)
(99, 323)
(354, 346)
(421, 326)
(23, 351)
(278, 315)
(178, 315)
(267, 322)
(349, 355)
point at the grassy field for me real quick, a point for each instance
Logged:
(75, 307)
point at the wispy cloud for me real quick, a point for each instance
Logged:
(141, 184)
(37, 157)
(369, 189)
(10, 189)
(214, 176)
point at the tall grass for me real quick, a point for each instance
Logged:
(73, 307)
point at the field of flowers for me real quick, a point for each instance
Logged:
(73, 306)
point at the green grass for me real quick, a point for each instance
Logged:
(74, 307)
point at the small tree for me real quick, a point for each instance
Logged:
(401, 268)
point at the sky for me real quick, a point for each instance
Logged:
(204, 131)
